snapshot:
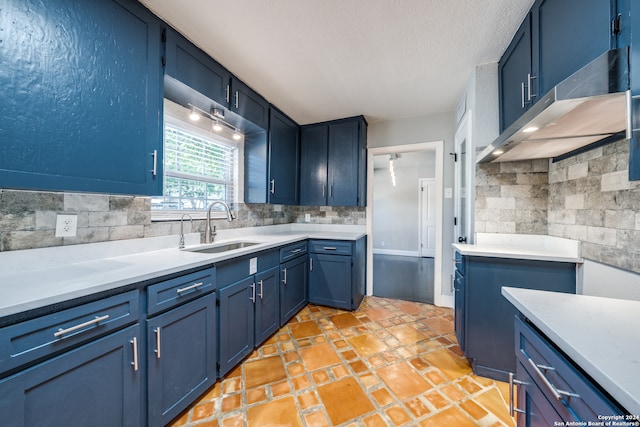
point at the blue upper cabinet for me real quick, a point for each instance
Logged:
(514, 70)
(568, 34)
(555, 39)
(284, 159)
(81, 96)
(194, 68)
(333, 163)
(193, 77)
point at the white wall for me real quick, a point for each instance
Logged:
(435, 127)
(396, 208)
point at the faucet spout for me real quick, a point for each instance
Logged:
(209, 233)
(181, 244)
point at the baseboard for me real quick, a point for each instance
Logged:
(378, 251)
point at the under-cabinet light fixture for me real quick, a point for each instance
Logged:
(216, 115)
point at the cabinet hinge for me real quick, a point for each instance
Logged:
(616, 24)
(217, 302)
(218, 366)
(164, 36)
(163, 61)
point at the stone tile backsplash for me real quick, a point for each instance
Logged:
(28, 218)
(587, 197)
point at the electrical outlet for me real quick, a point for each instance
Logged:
(66, 225)
(307, 217)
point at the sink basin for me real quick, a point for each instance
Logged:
(224, 247)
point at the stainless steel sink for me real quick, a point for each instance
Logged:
(224, 247)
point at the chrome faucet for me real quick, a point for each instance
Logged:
(181, 244)
(210, 232)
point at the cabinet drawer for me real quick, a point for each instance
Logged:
(292, 251)
(573, 395)
(330, 247)
(43, 336)
(170, 293)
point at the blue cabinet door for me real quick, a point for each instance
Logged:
(267, 306)
(314, 142)
(567, 35)
(181, 357)
(330, 280)
(97, 384)
(342, 171)
(195, 69)
(284, 159)
(236, 323)
(81, 104)
(514, 75)
(293, 288)
(249, 104)
(534, 408)
(459, 319)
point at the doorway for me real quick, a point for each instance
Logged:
(404, 228)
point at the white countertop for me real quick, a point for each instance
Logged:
(522, 246)
(599, 334)
(35, 278)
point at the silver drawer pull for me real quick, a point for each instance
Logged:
(157, 350)
(556, 393)
(295, 251)
(134, 343)
(329, 248)
(284, 273)
(512, 382)
(188, 288)
(98, 319)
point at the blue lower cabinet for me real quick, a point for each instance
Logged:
(533, 409)
(181, 357)
(293, 287)
(97, 384)
(236, 323)
(267, 305)
(330, 280)
(459, 310)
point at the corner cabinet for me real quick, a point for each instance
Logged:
(56, 125)
(337, 273)
(272, 162)
(333, 163)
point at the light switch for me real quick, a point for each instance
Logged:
(448, 193)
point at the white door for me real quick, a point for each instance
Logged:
(428, 218)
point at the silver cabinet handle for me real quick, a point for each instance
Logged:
(284, 272)
(154, 171)
(310, 264)
(134, 343)
(295, 251)
(522, 93)
(273, 186)
(253, 293)
(528, 86)
(97, 320)
(261, 293)
(329, 248)
(237, 97)
(324, 188)
(157, 350)
(331, 190)
(512, 408)
(226, 96)
(188, 288)
(556, 393)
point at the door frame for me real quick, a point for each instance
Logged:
(438, 147)
(463, 136)
(421, 213)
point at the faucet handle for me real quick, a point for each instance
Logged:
(181, 244)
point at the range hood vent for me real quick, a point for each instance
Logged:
(590, 106)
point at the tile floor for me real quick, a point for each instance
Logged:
(390, 363)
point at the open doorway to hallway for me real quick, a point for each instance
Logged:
(404, 225)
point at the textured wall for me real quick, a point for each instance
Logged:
(28, 218)
(592, 200)
(512, 197)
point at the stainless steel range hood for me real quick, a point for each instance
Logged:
(591, 105)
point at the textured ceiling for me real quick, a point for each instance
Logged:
(325, 59)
